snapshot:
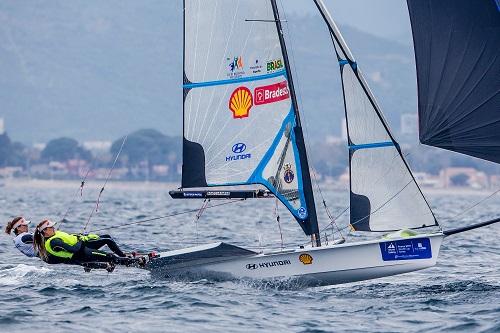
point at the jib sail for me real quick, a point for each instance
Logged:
(384, 195)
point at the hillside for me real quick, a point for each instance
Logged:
(97, 70)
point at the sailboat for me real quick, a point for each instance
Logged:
(242, 127)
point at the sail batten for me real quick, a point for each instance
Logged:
(233, 81)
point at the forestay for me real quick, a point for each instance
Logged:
(458, 68)
(384, 195)
(240, 124)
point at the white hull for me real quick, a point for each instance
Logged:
(324, 265)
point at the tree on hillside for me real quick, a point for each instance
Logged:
(5, 149)
(149, 146)
(11, 153)
(64, 149)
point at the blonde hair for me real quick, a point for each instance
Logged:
(39, 242)
(10, 225)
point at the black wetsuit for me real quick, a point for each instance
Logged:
(88, 252)
(103, 240)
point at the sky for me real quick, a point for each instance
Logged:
(69, 66)
(383, 18)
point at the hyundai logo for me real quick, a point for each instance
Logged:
(239, 148)
(251, 266)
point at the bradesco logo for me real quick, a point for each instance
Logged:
(238, 149)
(271, 93)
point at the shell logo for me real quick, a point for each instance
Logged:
(306, 258)
(240, 102)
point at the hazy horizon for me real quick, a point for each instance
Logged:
(96, 71)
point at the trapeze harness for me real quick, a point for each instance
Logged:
(24, 243)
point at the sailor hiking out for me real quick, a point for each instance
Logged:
(23, 239)
(58, 247)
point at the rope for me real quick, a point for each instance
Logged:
(104, 185)
(351, 225)
(473, 206)
(167, 216)
(198, 215)
(79, 190)
(276, 213)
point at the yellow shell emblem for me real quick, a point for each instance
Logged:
(240, 102)
(306, 258)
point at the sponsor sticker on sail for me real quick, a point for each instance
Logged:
(288, 175)
(240, 102)
(271, 93)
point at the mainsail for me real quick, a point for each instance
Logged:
(241, 123)
(384, 195)
(458, 69)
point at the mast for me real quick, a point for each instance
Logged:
(307, 183)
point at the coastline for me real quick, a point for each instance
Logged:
(167, 186)
(74, 184)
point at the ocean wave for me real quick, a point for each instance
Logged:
(459, 286)
(18, 274)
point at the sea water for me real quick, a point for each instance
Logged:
(460, 294)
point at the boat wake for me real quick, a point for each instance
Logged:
(190, 277)
(14, 275)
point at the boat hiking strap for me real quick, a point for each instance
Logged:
(104, 185)
(167, 216)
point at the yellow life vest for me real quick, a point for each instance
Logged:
(88, 237)
(67, 239)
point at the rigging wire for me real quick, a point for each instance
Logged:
(169, 215)
(277, 215)
(351, 225)
(96, 208)
(198, 215)
(473, 205)
(78, 191)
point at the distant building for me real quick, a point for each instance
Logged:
(471, 177)
(426, 180)
(97, 146)
(2, 128)
(39, 146)
(409, 124)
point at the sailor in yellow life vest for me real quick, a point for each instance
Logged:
(57, 247)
